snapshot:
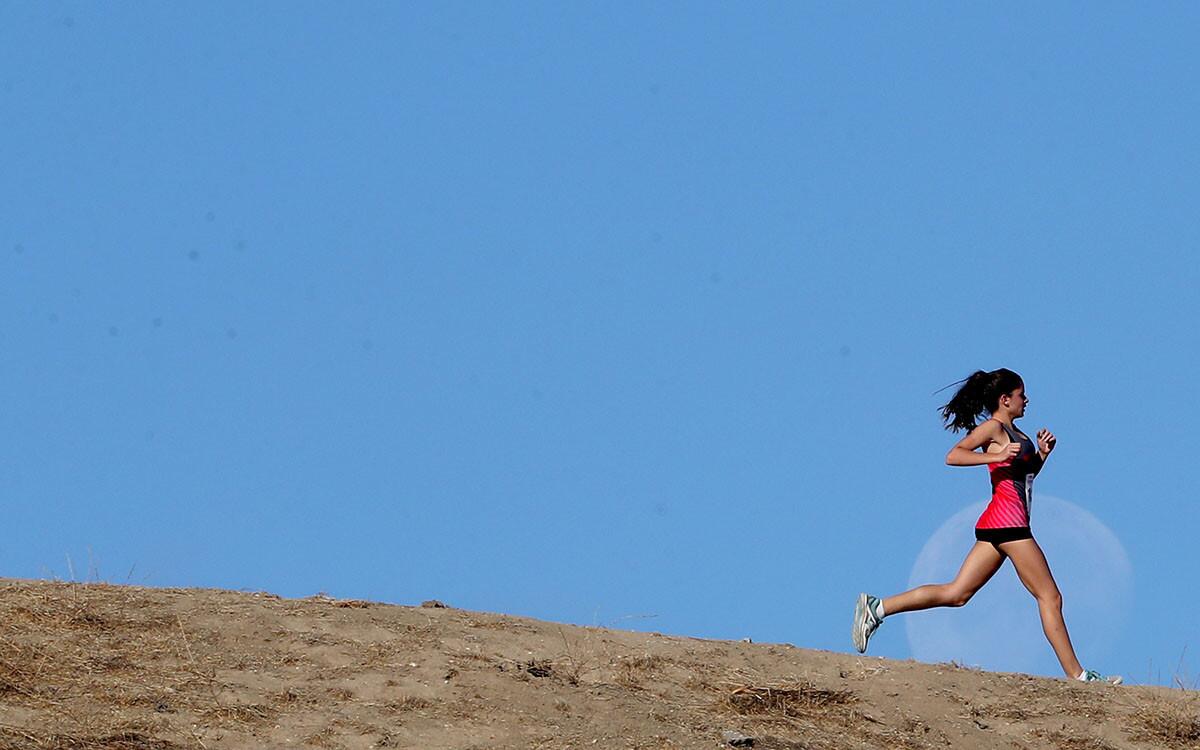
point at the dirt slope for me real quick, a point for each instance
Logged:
(100, 666)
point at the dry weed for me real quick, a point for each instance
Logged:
(386, 653)
(538, 668)
(1068, 741)
(506, 624)
(454, 655)
(293, 698)
(630, 672)
(1169, 724)
(326, 738)
(239, 715)
(12, 738)
(407, 703)
(788, 698)
(318, 638)
(329, 674)
(1012, 711)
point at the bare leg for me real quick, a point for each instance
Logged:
(1035, 573)
(981, 564)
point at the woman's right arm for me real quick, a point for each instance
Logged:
(965, 452)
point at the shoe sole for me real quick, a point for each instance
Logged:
(858, 629)
(1115, 679)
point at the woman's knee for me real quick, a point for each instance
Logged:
(958, 597)
(1049, 598)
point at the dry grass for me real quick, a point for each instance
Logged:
(97, 667)
(292, 697)
(578, 659)
(787, 699)
(408, 703)
(632, 672)
(81, 656)
(1169, 724)
(1068, 741)
(326, 738)
(238, 715)
(19, 739)
(1012, 711)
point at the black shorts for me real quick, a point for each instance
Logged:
(1000, 536)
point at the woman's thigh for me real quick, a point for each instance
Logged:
(1032, 568)
(981, 564)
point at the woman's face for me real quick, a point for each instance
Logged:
(1015, 401)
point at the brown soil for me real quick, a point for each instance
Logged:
(92, 666)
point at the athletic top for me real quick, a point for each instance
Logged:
(1012, 486)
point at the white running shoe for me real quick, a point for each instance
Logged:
(865, 621)
(1092, 675)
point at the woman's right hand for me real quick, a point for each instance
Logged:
(1007, 453)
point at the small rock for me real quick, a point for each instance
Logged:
(737, 739)
(433, 604)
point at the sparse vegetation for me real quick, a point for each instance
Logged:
(408, 703)
(100, 667)
(1169, 724)
(785, 698)
(1067, 741)
(633, 671)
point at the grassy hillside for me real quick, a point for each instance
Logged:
(100, 666)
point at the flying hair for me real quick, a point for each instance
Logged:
(979, 393)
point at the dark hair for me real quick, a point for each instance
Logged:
(980, 392)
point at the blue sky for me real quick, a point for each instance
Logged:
(609, 314)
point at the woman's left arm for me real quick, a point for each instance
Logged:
(1046, 441)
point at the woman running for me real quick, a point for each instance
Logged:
(1002, 532)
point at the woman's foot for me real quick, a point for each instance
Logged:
(866, 620)
(1092, 675)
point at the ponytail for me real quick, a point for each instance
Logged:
(980, 392)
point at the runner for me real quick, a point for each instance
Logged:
(1003, 531)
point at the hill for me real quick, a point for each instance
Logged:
(97, 666)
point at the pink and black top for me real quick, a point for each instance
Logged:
(1012, 486)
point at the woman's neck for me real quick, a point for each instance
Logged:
(1006, 418)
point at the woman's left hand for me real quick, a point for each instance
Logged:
(1046, 441)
